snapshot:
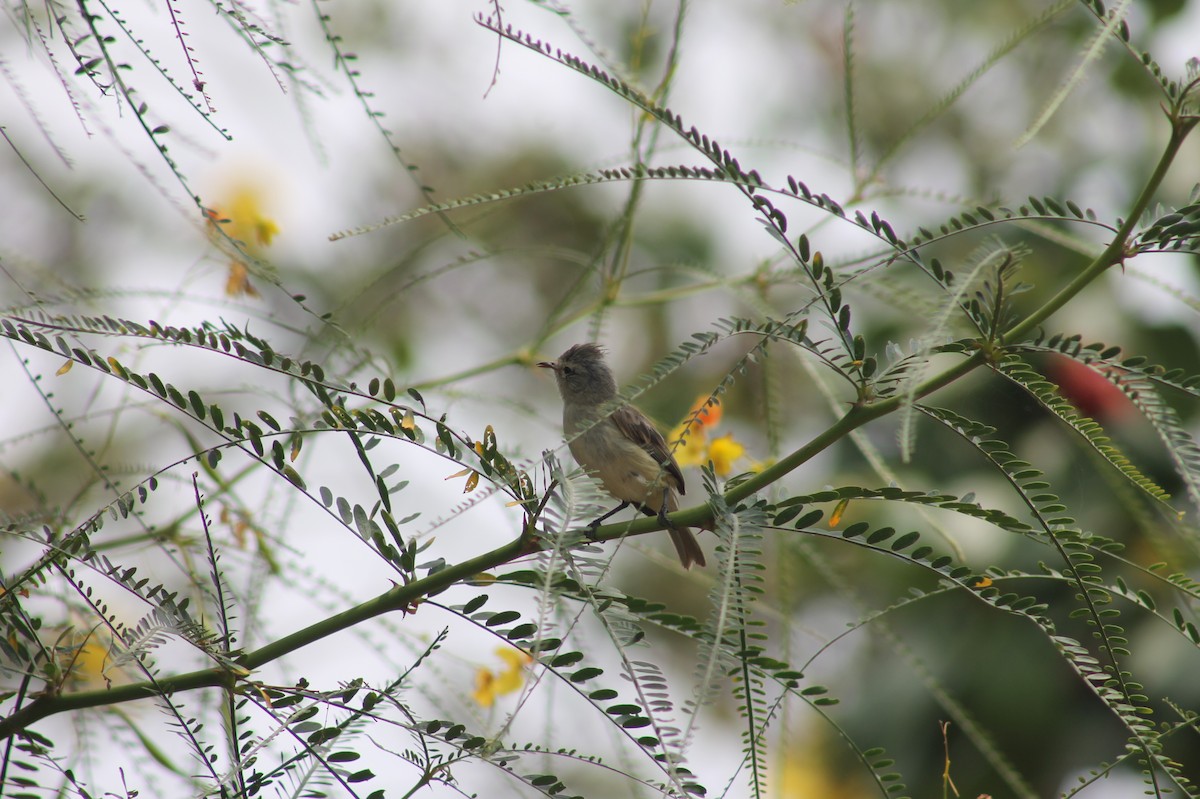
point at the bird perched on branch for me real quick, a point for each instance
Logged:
(619, 445)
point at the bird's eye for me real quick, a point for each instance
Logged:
(567, 370)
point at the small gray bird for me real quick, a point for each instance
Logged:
(623, 449)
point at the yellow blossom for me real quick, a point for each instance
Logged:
(237, 283)
(92, 661)
(804, 771)
(513, 676)
(490, 684)
(690, 437)
(485, 692)
(723, 452)
(86, 659)
(688, 447)
(241, 217)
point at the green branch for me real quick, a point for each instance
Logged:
(402, 598)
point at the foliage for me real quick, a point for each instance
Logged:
(278, 525)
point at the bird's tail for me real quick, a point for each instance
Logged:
(684, 540)
(688, 547)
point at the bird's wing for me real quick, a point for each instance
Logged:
(634, 425)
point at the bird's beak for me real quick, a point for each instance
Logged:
(548, 365)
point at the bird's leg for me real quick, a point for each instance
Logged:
(662, 510)
(661, 513)
(596, 523)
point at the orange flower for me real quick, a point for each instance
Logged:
(689, 438)
(705, 413)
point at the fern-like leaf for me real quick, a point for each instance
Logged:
(1113, 22)
(1046, 394)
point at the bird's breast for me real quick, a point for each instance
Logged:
(626, 470)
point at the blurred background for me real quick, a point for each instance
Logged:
(314, 119)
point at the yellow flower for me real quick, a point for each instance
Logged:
(490, 684)
(86, 659)
(723, 452)
(241, 217)
(688, 447)
(246, 221)
(804, 770)
(690, 437)
(238, 283)
(485, 691)
(92, 662)
(513, 676)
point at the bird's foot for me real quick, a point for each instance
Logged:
(591, 528)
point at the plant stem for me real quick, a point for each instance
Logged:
(402, 598)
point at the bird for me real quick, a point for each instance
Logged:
(619, 445)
